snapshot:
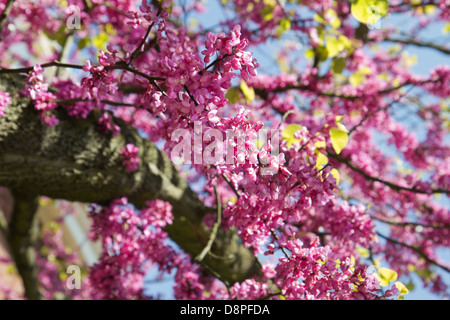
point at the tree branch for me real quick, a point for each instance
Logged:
(416, 250)
(4, 15)
(22, 236)
(387, 183)
(75, 161)
(215, 229)
(419, 44)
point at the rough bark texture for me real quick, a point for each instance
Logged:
(22, 235)
(77, 162)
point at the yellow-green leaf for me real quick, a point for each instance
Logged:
(402, 289)
(332, 16)
(109, 29)
(339, 139)
(363, 252)
(335, 173)
(309, 54)
(288, 134)
(83, 43)
(359, 76)
(284, 25)
(100, 40)
(386, 275)
(320, 144)
(369, 11)
(336, 44)
(446, 28)
(248, 92)
(267, 13)
(321, 160)
(338, 65)
(233, 95)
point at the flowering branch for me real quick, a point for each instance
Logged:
(391, 185)
(415, 249)
(136, 51)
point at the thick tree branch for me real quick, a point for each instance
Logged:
(76, 162)
(22, 236)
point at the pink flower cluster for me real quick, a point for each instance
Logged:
(44, 101)
(100, 83)
(315, 273)
(130, 158)
(132, 243)
(106, 124)
(230, 52)
(5, 100)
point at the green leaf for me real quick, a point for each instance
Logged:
(248, 92)
(333, 46)
(284, 26)
(233, 95)
(335, 173)
(363, 252)
(309, 54)
(100, 40)
(83, 43)
(333, 18)
(446, 28)
(330, 17)
(320, 144)
(60, 36)
(410, 286)
(338, 65)
(267, 13)
(369, 11)
(359, 76)
(402, 289)
(339, 139)
(288, 134)
(386, 275)
(322, 160)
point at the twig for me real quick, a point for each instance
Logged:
(392, 185)
(136, 51)
(217, 275)
(419, 44)
(214, 230)
(190, 95)
(45, 65)
(369, 114)
(23, 231)
(282, 249)
(409, 223)
(4, 15)
(415, 249)
(228, 181)
(112, 103)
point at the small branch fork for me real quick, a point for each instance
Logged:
(214, 230)
(206, 250)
